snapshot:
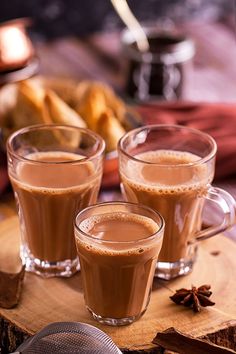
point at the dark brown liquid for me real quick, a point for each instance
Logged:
(117, 277)
(157, 78)
(175, 192)
(49, 196)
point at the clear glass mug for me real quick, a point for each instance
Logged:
(55, 171)
(169, 168)
(117, 270)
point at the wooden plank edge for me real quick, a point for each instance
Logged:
(11, 336)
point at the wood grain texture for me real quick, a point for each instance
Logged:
(49, 300)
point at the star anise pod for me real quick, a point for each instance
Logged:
(194, 298)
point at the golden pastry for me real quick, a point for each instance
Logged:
(110, 129)
(91, 106)
(28, 109)
(58, 112)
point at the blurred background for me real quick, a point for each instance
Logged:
(81, 39)
(56, 18)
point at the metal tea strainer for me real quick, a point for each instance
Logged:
(69, 338)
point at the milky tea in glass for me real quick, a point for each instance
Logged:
(170, 168)
(118, 244)
(55, 171)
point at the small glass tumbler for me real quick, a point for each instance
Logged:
(169, 168)
(118, 244)
(55, 171)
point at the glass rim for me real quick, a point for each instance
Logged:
(151, 127)
(158, 233)
(36, 127)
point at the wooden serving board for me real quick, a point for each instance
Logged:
(49, 300)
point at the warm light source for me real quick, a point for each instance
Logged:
(15, 47)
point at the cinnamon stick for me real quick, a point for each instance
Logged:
(10, 288)
(182, 343)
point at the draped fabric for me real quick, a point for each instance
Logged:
(218, 120)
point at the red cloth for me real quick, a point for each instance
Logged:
(218, 120)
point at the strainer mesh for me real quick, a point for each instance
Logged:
(69, 338)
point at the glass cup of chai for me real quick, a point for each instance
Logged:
(170, 169)
(55, 171)
(118, 244)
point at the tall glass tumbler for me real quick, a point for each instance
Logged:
(55, 172)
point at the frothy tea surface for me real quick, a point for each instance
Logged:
(172, 184)
(119, 226)
(55, 172)
(166, 169)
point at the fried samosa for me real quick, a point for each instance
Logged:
(110, 129)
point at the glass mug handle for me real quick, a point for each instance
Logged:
(227, 205)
